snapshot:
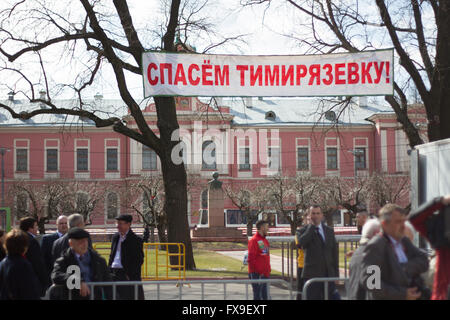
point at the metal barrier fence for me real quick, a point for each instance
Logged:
(164, 262)
(290, 264)
(181, 283)
(325, 287)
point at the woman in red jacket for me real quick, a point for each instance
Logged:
(420, 219)
(259, 260)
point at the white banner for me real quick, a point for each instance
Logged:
(340, 74)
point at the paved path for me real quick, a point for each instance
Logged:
(275, 261)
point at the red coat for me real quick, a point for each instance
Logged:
(442, 275)
(258, 255)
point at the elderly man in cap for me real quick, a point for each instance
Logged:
(92, 268)
(126, 258)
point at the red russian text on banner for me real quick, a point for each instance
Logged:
(340, 74)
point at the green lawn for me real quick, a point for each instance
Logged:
(209, 263)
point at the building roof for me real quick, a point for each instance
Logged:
(299, 112)
(267, 112)
(104, 108)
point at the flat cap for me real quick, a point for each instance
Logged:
(77, 233)
(125, 217)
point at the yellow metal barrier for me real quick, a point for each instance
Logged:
(155, 259)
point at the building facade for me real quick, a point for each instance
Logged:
(246, 140)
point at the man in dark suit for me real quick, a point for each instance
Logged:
(49, 239)
(34, 254)
(126, 257)
(91, 265)
(400, 263)
(321, 254)
(62, 244)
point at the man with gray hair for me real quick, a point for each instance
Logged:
(391, 264)
(75, 220)
(356, 291)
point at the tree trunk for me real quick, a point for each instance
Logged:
(250, 228)
(41, 225)
(175, 182)
(440, 93)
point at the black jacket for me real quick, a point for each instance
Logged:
(2, 253)
(18, 280)
(46, 248)
(100, 273)
(131, 254)
(34, 256)
(321, 259)
(61, 245)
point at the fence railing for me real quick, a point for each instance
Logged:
(325, 287)
(181, 283)
(290, 251)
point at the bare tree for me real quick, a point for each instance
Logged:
(82, 198)
(91, 36)
(44, 198)
(241, 197)
(385, 189)
(419, 33)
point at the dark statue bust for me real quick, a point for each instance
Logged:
(215, 183)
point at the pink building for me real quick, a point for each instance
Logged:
(252, 139)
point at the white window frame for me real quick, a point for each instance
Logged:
(241, 146)
(362, 172)
(52, 174)
(22, 174)
(337, 171)
(82, 174)
(106, 206)
(116, 173)
(308, 146)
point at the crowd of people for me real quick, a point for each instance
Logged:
(30, 270)
(385, 266)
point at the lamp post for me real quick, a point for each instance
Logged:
(2, 152)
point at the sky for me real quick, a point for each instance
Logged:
(263, 29)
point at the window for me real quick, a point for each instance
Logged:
(209, 155)
(148, 158)
(244, 158)
(21, 205)
(331, 158)
(111, 159)
(302, 159)
(22, 160)
(274, 158)
(52, 160)
(360, 158)
(236, 217)
(112, 208)
(82, 159)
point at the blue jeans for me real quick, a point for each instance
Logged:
(259, 289)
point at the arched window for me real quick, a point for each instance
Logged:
(209, 155)
(82, 202)
(112, 205)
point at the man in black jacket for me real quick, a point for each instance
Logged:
(47, 243)
(321, 254)
(91, 265)
(126, 257)
(34, 254)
